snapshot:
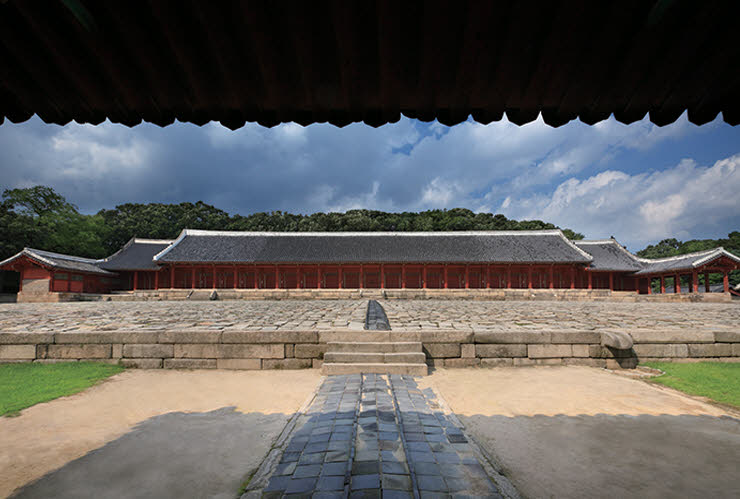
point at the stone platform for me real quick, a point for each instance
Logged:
(297, 334)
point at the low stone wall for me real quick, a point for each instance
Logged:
(305, 349)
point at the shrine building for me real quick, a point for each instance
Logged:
(220, 260)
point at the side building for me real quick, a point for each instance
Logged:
(200, 259)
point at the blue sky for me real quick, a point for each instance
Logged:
(640, 183)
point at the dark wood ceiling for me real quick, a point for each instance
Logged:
(371, 61)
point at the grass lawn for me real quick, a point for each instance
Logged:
(24, 385)
(719, 381)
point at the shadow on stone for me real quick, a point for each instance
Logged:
(174, 455)
(375, 318)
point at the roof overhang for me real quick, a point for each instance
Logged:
(343, 62)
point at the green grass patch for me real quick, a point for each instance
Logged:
(718, 381)
(24, 385)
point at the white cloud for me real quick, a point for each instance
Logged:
(640, 208)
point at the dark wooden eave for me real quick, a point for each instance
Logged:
(369, 61)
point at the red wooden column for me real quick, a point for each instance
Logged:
(572, 278)
(156, 279)
(276, 277)
(340, 284)
(488, 276)
(255, 284)
(508, 277)
(318, 277)
(213, 271)
(403, 275)
(649, 285)
(446, 287)
(590, 280)
(172, 276)
(706, 282)
(467, 276)
(611, 281)
(424, 276)
(529, 277)
(298, 277)
(662, 285)
(362, 276)
(51, 280)
(236, 277)
(726, 282)
(136, 280)
(552, 277)
(192, 277)
(382, 276)
(677, 284)
(695, 282)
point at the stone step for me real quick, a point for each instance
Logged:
(374, 368)
(375, 358)
(374, 347)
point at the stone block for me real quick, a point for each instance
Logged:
(42, 351)
(719, 336)
(580, 350)
(467, 362)
(432, 336)
(496, 362)
(493, 350)
(252, 351)
(235, 336)
(602, 352)
(524, 362)
(189, 337)
(289, 350)
(308, 351)
(316, 363)
(435, 362)
(442, 350)
(575, 337)
(247, 364)
(574, 361)
(116, 351)
(287, 364)
(661, 350)
(467, 350)
(549, 351)
(512, 337)
(353, 336)
(92, 351)
(25, 338)
(148, 351)
(18, 352)
(57, 361)
(148, 337)
(669, 336)
(618, 340)
(710, 350)
(142, 363)
(196, 351)
(736, 350)
(190, 363)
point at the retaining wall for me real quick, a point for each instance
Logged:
(305, 349)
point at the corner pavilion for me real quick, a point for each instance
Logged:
(201, 259)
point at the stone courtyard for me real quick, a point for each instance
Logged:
(404, 315)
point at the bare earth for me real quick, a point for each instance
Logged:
(164, 422)
(584, 432)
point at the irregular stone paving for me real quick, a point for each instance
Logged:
(378, 436)
(344, 314)
(534, 315)
(186, 315)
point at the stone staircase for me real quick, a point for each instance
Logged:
(379, 357)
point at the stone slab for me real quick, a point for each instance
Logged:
(92, 351)
(287, 364)
(711, 350)
(190, 364)
(512, 337)
(18, 352)
(549, 351)
(106, 337)
(148, 351)
(232, 336)
(668, 336)
(196, 351)
(500, 350)
(25, 338)
(247, 351)
(142, 363)
(246, 364)
(661, 350)
(442, 350)
(189, 337)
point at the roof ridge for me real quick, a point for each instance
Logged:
(685, 255)
(203, 232)
(63, 256)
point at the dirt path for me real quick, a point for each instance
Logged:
(582, 432)
(131, 405)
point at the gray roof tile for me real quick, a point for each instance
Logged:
(60, 261)
(137, 254)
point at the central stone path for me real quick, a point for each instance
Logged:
(375, 435)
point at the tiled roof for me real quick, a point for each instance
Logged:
(60, 261)
(688, 261)
(610, 255)
(137, 254)
(367, 61)
(385, 247)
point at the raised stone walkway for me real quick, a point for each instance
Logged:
(377, 436)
